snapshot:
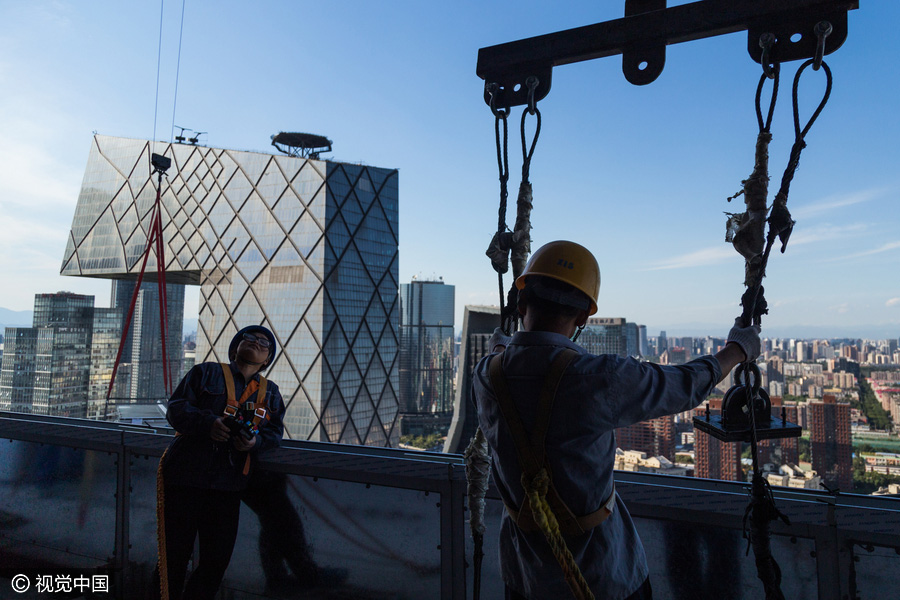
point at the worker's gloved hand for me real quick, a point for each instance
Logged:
(499, 341)
(747, 338)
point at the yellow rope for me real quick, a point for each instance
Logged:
(161, 532)
(536, 491)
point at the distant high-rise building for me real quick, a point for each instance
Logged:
(781, 451)
(19, 365)
(479, 323)
(713, 458)
(632, 335)
(662, 343)
(676, 355)
(644, 349)
(106, 334)
(63, 359)
(610, 336)
(655, 437)
(830, 444)
(775, 369)
(143, 345)
(426, 357)
(847, 366)
(305, 247)
(776, 388)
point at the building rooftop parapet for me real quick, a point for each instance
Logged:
(391, 486)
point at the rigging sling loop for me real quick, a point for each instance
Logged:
(746, 233)
(478, 472)
(504, 242)
(513, 245)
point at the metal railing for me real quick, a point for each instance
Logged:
(79, 496)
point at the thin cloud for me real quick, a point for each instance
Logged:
(825, 233)
(892, 302)
(835, 202)
(883, 248)
(700, 258)
(725, 253)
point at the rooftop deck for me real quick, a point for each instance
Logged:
(81, 495)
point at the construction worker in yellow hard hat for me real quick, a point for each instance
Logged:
(549, 409)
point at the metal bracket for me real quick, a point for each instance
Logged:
(648, 27)
(795, 35)
(642, 62)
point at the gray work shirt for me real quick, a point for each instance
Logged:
(596, 395)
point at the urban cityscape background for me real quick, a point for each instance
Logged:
(308, 247)
(381, 316)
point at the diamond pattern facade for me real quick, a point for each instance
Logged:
(308, 248)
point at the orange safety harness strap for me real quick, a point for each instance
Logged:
(162, 562)
(234, 407)
(531, 450)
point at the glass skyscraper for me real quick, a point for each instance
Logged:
(307, 248)
(426, 356)
(107, 332)
(45, 368)
(611, 336)
(143, 376)
(20, 351)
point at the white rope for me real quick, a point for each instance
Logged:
(478, 472)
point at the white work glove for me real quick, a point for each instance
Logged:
(747, 338)
(498, 339)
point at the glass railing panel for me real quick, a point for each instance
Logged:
(367, 542)
(701, 561)
(874, 571)
(57, 507)
(142, 550)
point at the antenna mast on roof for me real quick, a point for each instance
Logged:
(301, 145)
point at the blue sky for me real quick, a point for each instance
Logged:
(638, 174)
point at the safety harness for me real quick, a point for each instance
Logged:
(233, 408)
(237, 408)
(543, 509)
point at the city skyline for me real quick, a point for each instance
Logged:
(9, 318)
(638, 174)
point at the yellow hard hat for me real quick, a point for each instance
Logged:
(568, 262)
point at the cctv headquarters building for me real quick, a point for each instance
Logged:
(305, 247)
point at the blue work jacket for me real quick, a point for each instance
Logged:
(596, 395)
(193, 458)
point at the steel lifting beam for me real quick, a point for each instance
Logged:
(648, 27)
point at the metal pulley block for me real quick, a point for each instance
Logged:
(736, 422)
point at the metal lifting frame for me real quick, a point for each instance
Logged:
(648, 27)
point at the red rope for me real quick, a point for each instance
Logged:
(161, 285)
(154, 242)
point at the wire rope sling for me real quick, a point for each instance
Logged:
(519, 73)
(746, 414)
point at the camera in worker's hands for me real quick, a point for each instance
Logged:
(238, 427)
